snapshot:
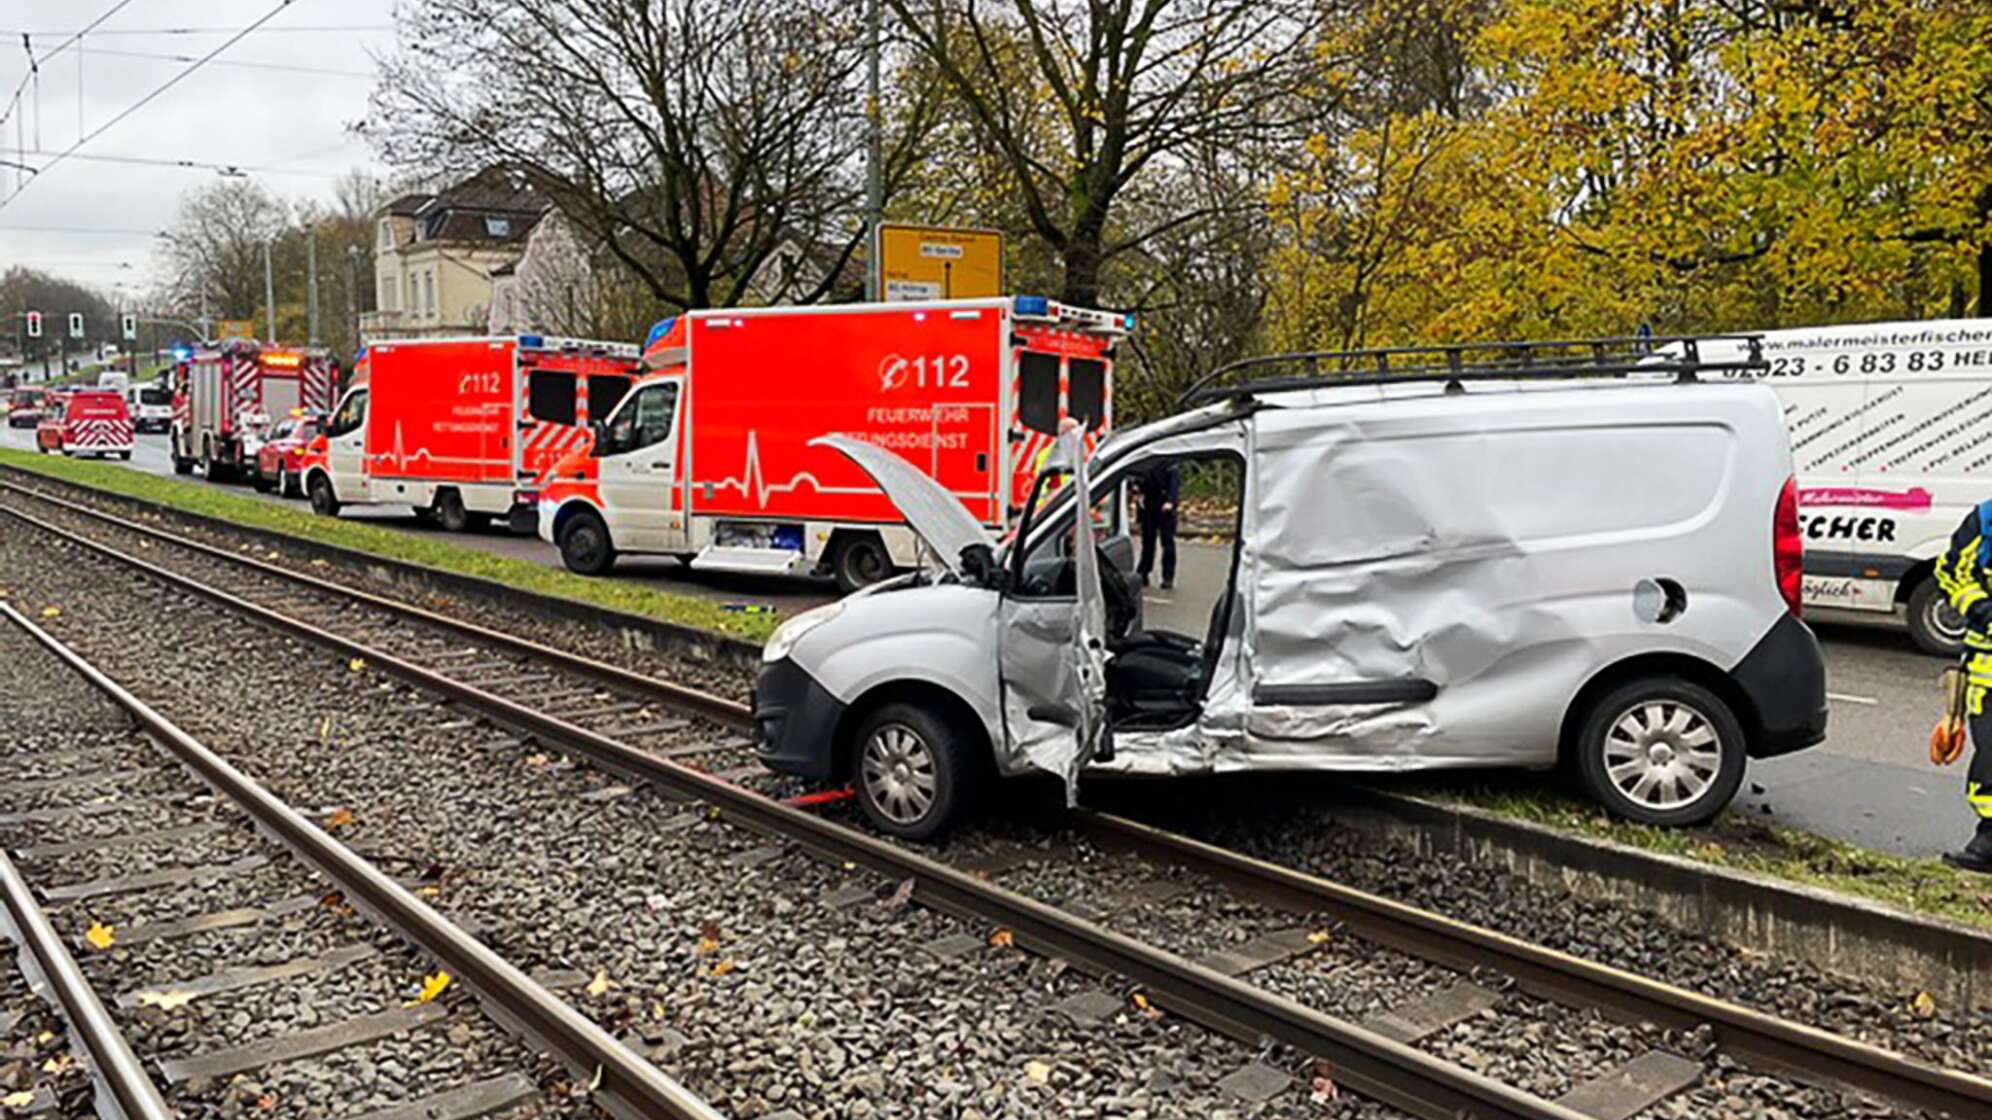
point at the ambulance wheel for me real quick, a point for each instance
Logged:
(1933, 624)
(861, 561)
(1661, 750)
(585, 545)
(450, 512)
(912, 770)
(323, 501)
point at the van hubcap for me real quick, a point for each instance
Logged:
(898, 772)
(1663, 754)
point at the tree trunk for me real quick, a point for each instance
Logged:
(1985, 281)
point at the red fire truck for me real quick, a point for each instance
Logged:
(709, 458)
(459, 428)
(225, 399)
(86, 422)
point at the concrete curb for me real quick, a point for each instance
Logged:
(1850, 936)
(633, 630)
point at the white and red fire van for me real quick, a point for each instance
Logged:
(709, 458)
(87, 422)
(225, 399)
(460, 428)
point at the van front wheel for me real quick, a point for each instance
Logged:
(1663, 751)
(323, 501)
(912, 771)
(585, 545)
(861, 561)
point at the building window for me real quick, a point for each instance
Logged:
(429, 293)
(498, 227)
(387, 233)
(387, 300)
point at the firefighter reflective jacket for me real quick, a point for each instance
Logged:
(1961, 572)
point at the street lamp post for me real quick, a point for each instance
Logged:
(269, 292)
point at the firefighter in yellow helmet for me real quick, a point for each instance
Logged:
(1961, 573)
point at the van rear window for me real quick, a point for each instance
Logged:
(550, 396)
(1037, 392)
(1087, 394)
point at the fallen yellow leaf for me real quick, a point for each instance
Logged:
(1316, 937)
(1037, 1071)
(325, 730)
(60, 1064)
(1002, 939)
(356, 664)
(25, 1097)
(1925, 1006)
(1148, 1010)
(340, 818)
(51, 612)
(707, 946)
(600, 983)
(721, 968)
(99, 935)
(165, 1001)
(432, 986)
(535, 760)
(267, 1101)
(44, 1038)
(426, 892)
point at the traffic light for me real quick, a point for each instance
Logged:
(76, 324)
(128, 325)
(34, 324)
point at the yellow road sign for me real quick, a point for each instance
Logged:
(234, 328)
(931, 262)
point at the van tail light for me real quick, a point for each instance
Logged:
(1788, 547)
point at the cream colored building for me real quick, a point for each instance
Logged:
(435, 256)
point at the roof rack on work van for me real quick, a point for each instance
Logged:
(1679, 355)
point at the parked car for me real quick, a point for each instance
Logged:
(279, 463)
(1449, 566)
(24, 407)
(151, 406)
(86, 422)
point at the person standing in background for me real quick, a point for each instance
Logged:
(1161, 488)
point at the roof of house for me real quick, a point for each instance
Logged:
(408, 205)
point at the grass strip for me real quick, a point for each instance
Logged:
(213, 501)
(1737, 841)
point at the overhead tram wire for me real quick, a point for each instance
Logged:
(199, 30)
(148, 99)
(200, 165)
(244, 64)
(35, 60)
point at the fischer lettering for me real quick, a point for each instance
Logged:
(1833, 527)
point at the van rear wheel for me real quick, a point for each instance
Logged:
(912, 770)
(450, 512)
(1934, 625)
(1661, 750)
(585, 545)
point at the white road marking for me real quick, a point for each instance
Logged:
(1846, 699)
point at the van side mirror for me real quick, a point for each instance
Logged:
(978, 563)
(600, 445)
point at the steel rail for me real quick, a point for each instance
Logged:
(1775, 1043)
(625, 1085)
(1363, 1061)
(688, 699)
(124, 1092)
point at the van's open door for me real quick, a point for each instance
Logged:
(1052, 637)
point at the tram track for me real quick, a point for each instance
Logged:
(1362, 1059)
(197, 850)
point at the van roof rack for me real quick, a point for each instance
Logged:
(1574, 358)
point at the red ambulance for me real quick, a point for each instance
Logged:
(709, 458)
(226, 399)
(86, 422)
(460, 428)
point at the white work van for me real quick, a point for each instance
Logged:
(1889, 429)
(1499, 556)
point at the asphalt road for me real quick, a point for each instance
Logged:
(1870, 783)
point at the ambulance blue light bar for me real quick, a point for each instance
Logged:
(1040, 307)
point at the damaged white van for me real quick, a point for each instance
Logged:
(1513, 555)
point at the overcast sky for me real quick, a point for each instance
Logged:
(293, 123)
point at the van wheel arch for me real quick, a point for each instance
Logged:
(943, 702)
(857, 558)
(1641, 667)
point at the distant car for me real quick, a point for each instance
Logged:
(279, 462)
(86, 422)
(24, 407)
